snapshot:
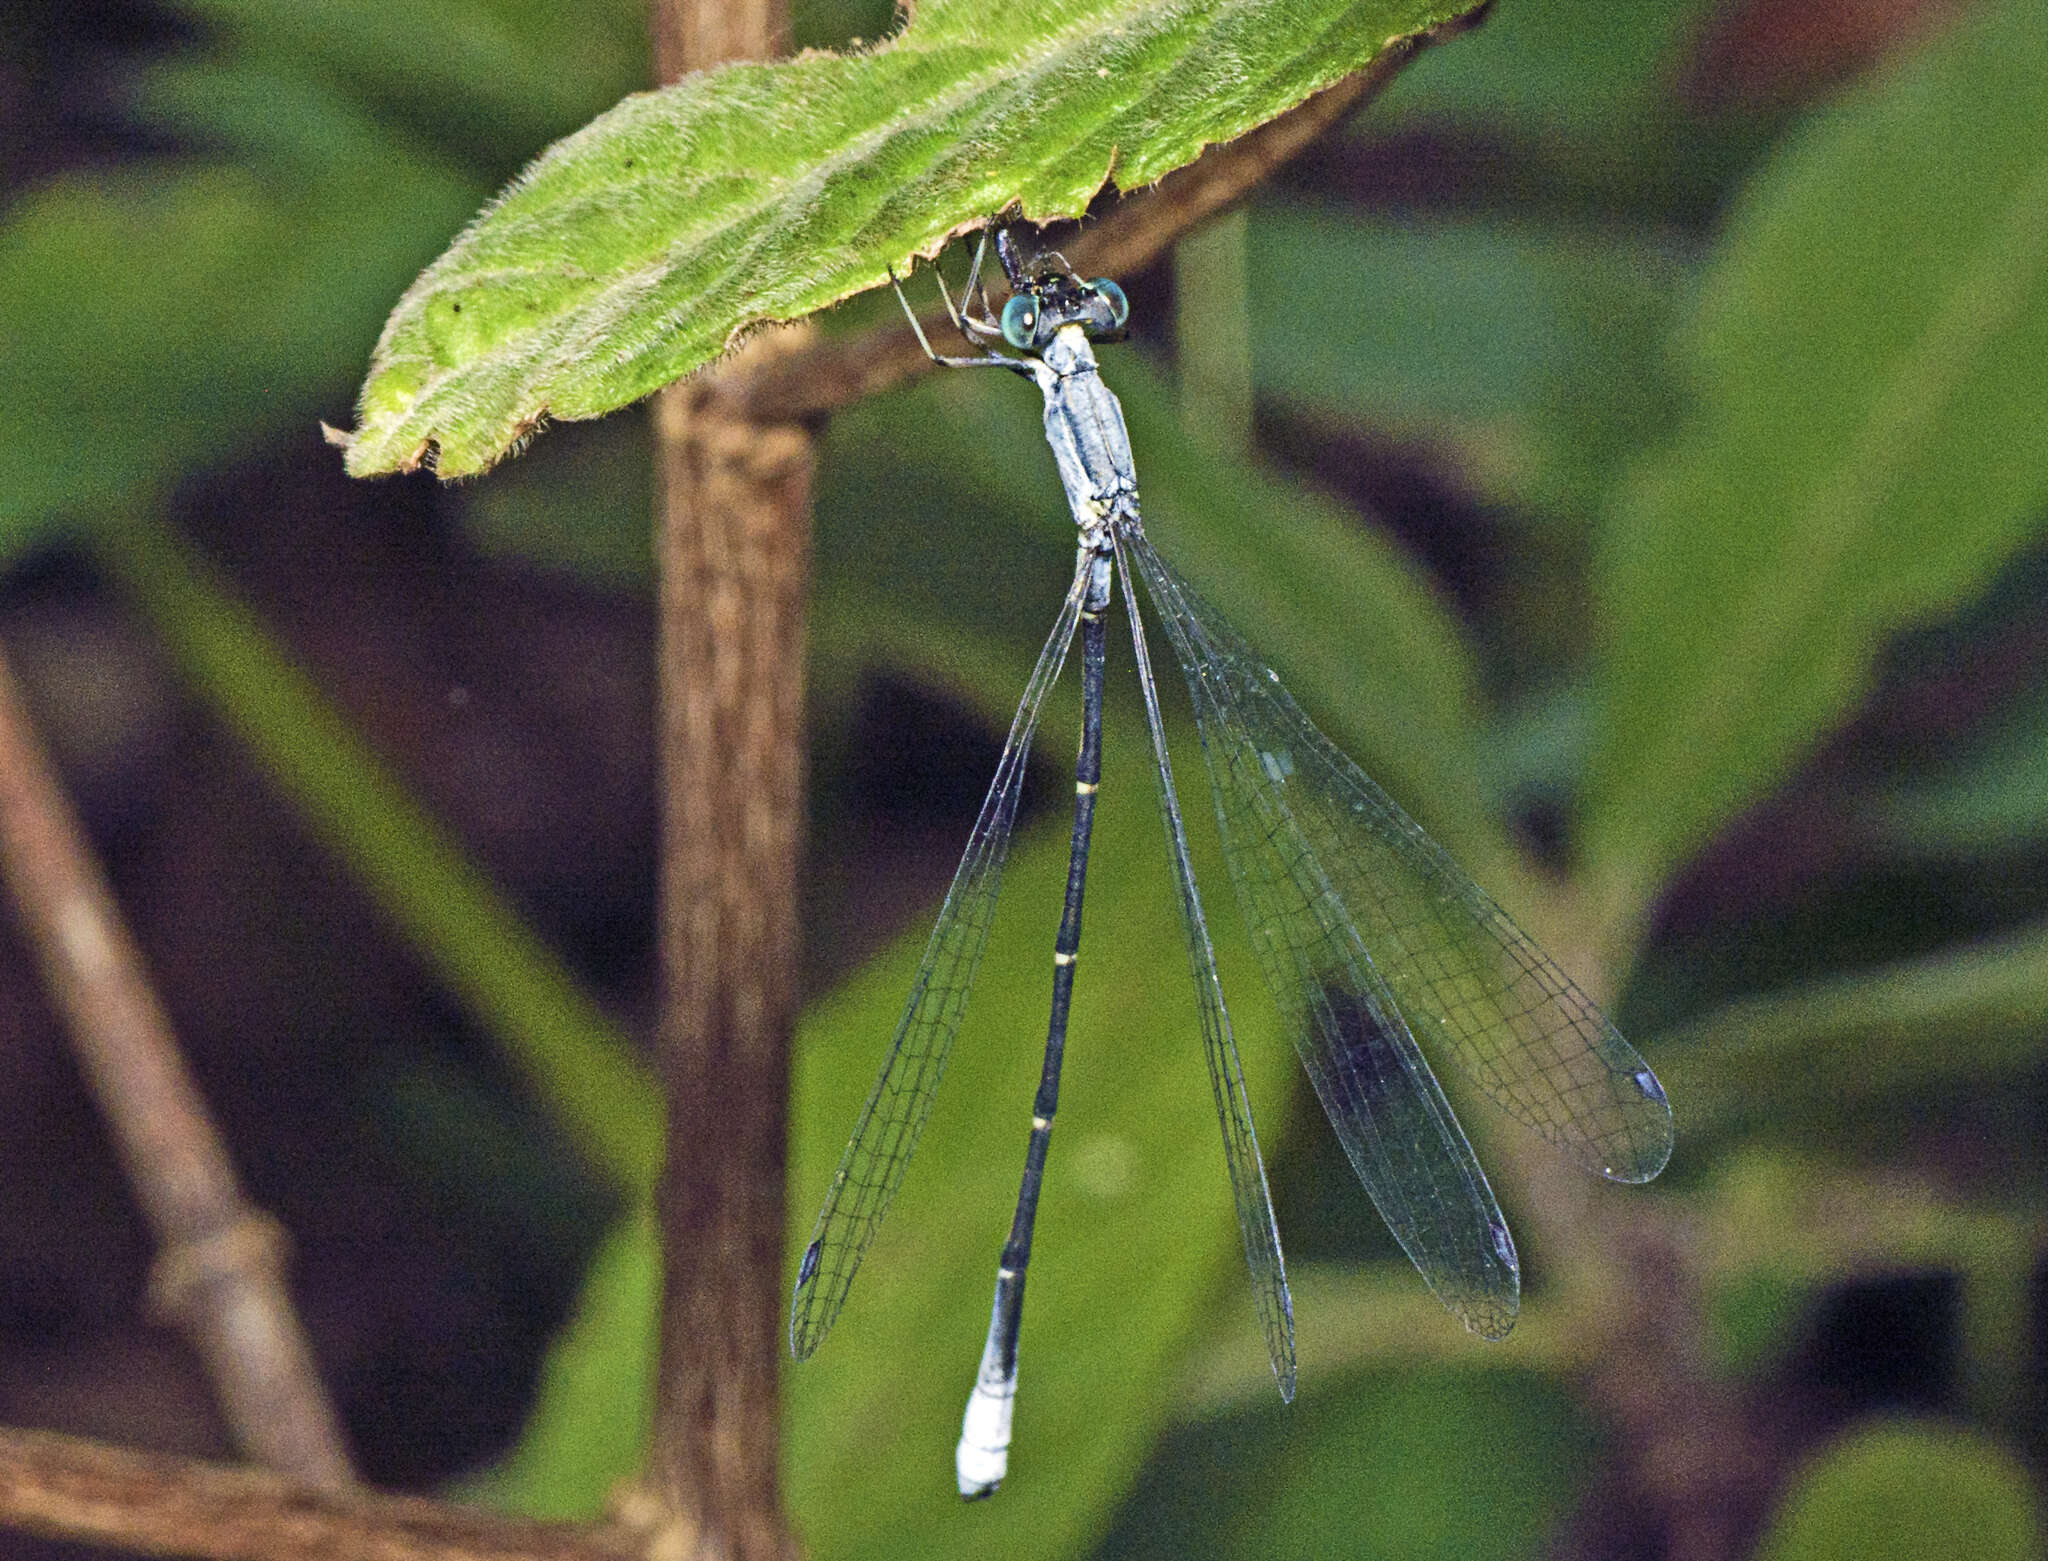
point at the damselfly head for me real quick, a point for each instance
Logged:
(1046, 295)
(1049, 299)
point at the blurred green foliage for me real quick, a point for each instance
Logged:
(1432, 1463)
(1530, 346)
(1774, 444)
(1906, 1491)
(181, 311)
(1844, 471)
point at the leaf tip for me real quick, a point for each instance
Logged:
(364, 455)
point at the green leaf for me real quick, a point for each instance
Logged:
(1464, 1465)
(1577, 105)
(1780, 1223)
(479, 76)
(1868, 445)
(156, 319)
(1361, 1317)
(1529, 345)
(1990, 797)
(1564, 69)
(635, 250)
(592, 1417)
(579, 503)
(1829, 1045)
(1904, 1491)
(178, 313)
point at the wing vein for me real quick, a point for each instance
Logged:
(1226, 1071)
(1377, 1089)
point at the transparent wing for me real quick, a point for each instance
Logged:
(883, 1140)
(1381, 1098)
(1226, 1073)
(1463, 974)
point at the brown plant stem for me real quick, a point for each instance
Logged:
(220, 1262)
(69, 1488)
(698, 34)
(1623, 1265)
(732, 547)
(1698, 1472)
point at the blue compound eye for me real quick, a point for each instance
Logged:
(1111, 294)
(1020, 321)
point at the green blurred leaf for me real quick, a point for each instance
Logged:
(1860, 1036)
(832, 24)
(1554, 70)
(580, 502)
(1904, 1491)
(1560, 107)
(1212, 330)
(156, 319)
(176, 313)
(1530, 347)
(633, 251)
(490, 78)
(1423, 1464)
(1869, 442)
(151, 323)
(1372, 1317)
(179, 313)
(1991, 798)
(1752, 1318)
(1783, 1218)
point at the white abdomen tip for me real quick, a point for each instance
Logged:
(983, 1456)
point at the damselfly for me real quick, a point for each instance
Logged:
(1368, 934)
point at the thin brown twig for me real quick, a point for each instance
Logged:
(220, 1261)
(1695, 1464)
(734, 546)
(1622, 1262)
(69, 1488)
